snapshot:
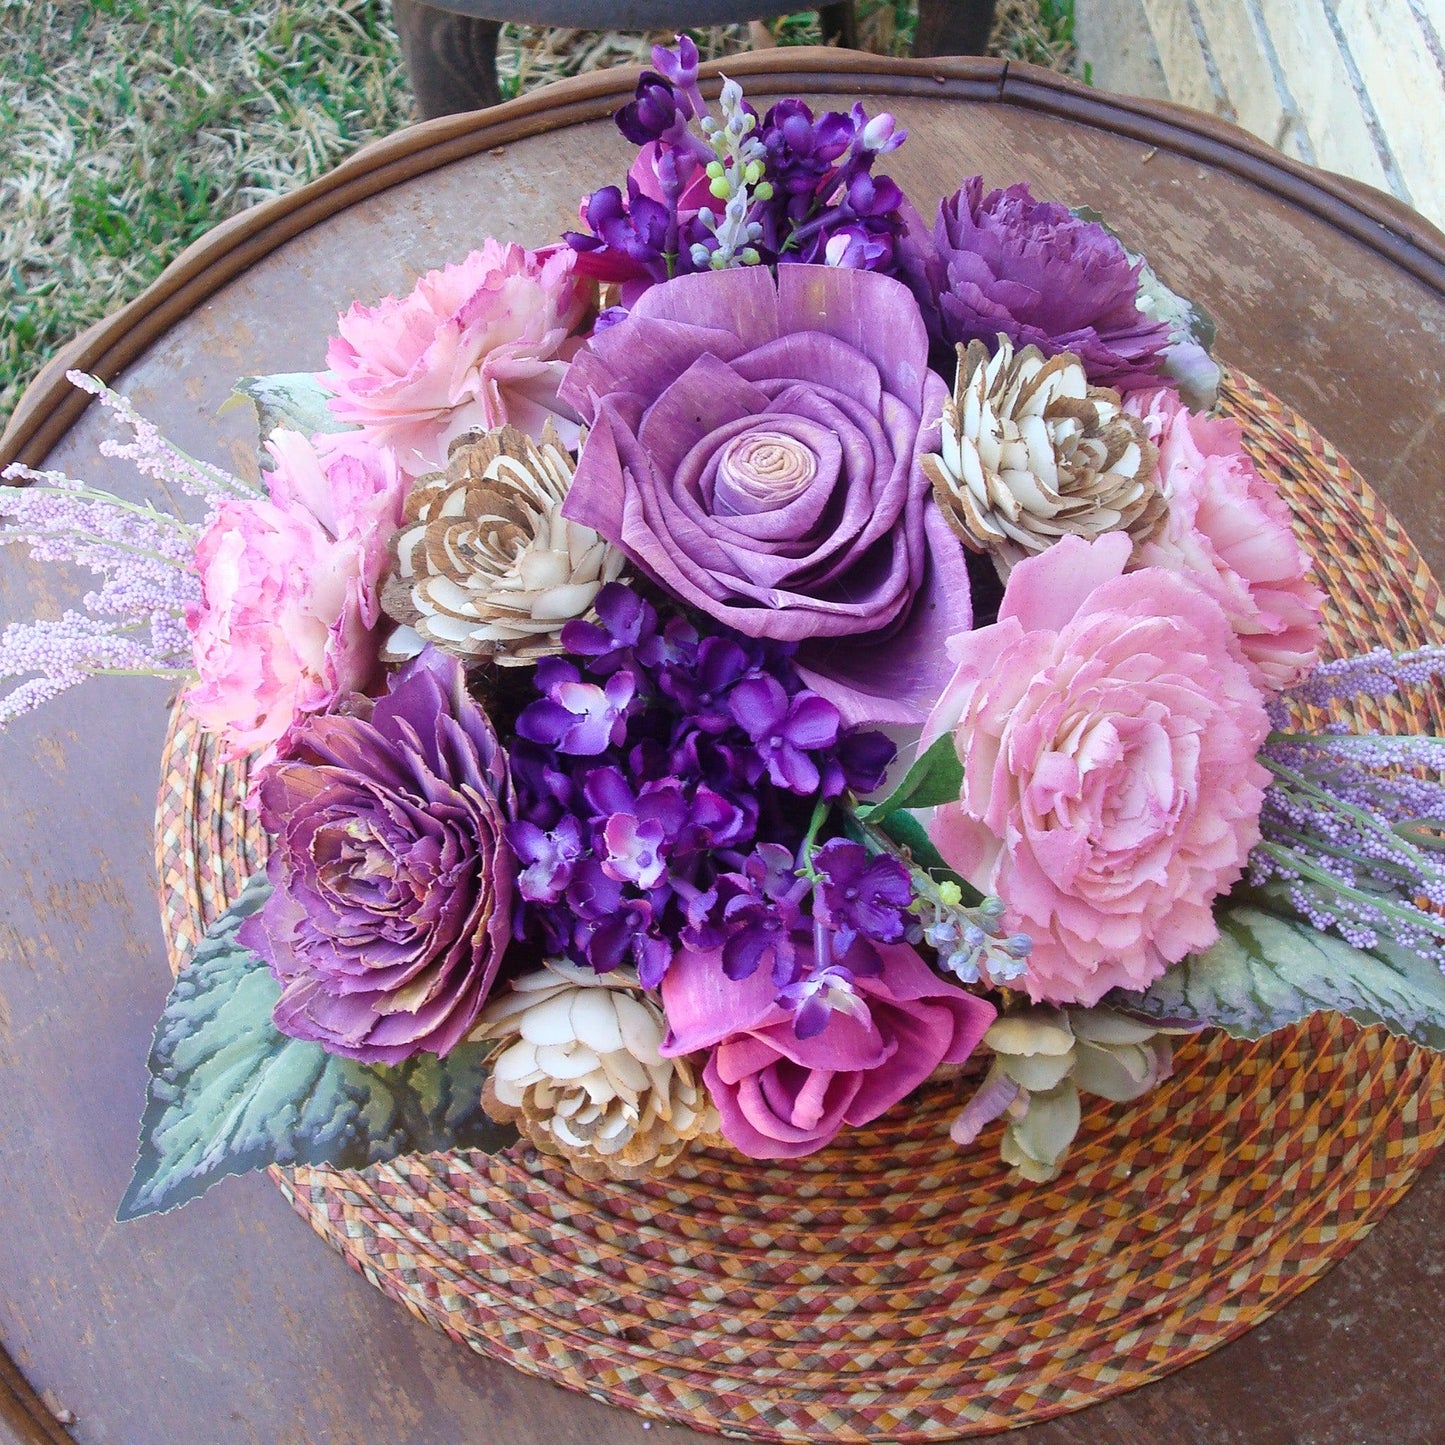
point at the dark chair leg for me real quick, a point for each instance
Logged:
(451, 59)
(839, 25)
(953, 27)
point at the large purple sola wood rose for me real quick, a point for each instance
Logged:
(391, 883)
(755, 446)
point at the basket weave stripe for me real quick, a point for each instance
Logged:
(892, 1287)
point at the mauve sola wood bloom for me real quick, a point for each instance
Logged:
(1002, 261)
(755, 447)
(392, 885)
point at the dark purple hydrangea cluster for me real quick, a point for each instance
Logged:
(789, 187)
(669, 784)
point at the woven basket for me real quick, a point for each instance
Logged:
(893, 1287)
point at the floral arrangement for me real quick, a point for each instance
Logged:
(707, 676)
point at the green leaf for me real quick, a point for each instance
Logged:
(230, 1093)
(295, 400)
(935, 777)
(1270, 968)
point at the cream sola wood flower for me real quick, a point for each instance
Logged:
(485, 566)
(1030, 452)
(1044, 1058)
(577, 1068)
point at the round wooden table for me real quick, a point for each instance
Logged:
(228, 1321)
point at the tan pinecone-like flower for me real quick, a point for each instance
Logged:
(577, 1069)
(485, 565)
(1031, 452)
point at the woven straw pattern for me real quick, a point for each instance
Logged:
(893, 1288)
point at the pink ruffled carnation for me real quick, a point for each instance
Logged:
(481, 343)
(289, 589)
(1229, 530)
(1108, 730)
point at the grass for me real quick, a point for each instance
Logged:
(130, 127)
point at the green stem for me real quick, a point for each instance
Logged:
(805, 869)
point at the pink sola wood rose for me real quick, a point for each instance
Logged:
(1107, 729)
(391, 883)
(1229, 530)
(780, 1096)
(755, 446)
(289, 589)
(478, 344)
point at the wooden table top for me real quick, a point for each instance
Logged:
(228, 1321)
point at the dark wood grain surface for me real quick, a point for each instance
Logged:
(228, 1321)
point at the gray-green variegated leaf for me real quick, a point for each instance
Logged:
(230, 1093)
(294, 400)
(1270, 969)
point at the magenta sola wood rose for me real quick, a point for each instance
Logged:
(781, 1096)
(392, 886)
(755, 447)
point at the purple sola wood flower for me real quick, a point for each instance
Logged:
(392, 885)
(1003, 262)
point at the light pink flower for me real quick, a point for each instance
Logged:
(779, 1096)
(1229, 529)
(289, 589)
(1107, 729)
(481, 343)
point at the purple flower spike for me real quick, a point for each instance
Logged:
(392, 882)
(624, 621)
(817, 998)
(547, 858)
(763, 913)
(654, 111)
(680, 68)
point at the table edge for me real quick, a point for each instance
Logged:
(50, 406)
